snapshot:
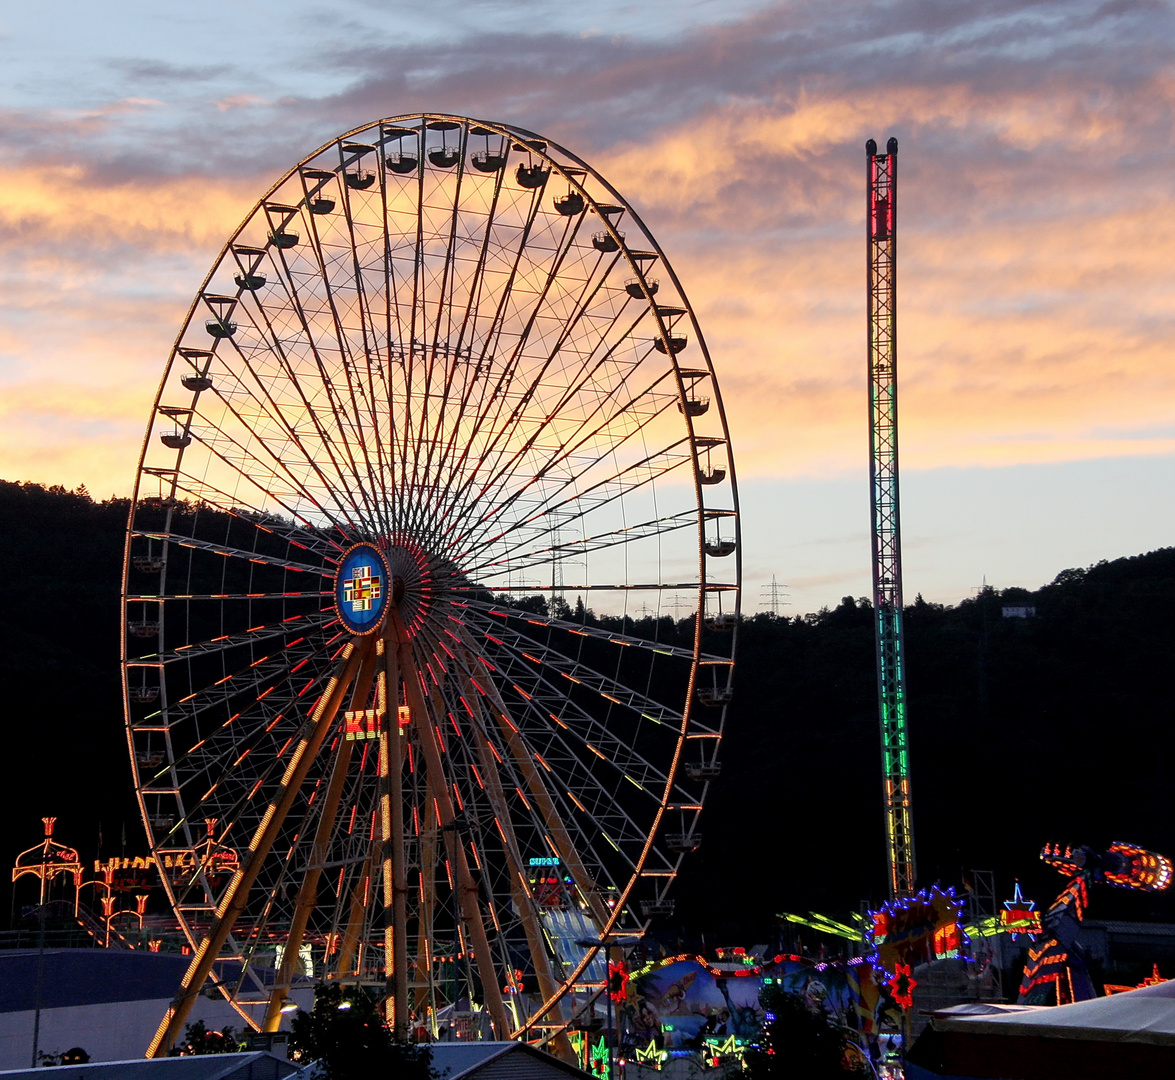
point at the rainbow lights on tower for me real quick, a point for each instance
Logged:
(881, 252)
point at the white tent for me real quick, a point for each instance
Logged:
(1128, 1034)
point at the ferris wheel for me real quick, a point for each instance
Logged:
(436, 460)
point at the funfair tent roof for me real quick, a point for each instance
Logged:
(1129, 1034)
(1136, 1016)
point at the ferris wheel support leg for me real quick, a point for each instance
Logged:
(237, 894)
(425, 1000)
(395, 874)
(348, 963)
(520, 893)
(308, 892)
(467, 892)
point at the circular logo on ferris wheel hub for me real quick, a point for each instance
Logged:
(362, 588)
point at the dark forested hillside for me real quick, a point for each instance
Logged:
(64, 751)
(1022, 730)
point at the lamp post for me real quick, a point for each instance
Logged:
(595, 944)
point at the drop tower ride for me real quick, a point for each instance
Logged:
(881, 258)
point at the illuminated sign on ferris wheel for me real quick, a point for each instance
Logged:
(362, 588)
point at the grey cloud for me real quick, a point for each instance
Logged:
(597, 93)
(158, 71)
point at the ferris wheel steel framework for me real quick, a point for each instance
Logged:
(508, 382)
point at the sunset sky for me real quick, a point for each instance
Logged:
(1037, 239)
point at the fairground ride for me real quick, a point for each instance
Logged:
(881, 297)
(433, 386)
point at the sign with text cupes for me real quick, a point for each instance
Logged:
(362, 588)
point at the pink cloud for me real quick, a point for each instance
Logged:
(1035, 320)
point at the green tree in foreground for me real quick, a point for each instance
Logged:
(345, 1033)
(797, 1043)
(198, 1040)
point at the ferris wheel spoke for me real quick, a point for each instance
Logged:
(477, 488)
(273, 342)
(497, 424)
(334, 480)
(516, 886)
(227, 642)
(327, 809)
(270, 344)
(577, 384)
(593, 282)
(434, 323)
(577, 505)
(200, 782)
(233, 453)
(394, 867)
(207, 759)
(522, 646)
(180, 540)
(549, 794)
(567, 453)
(291, 674)
(308, 537)
(502, 821)
(439, 446)
(162, 597)
(555, 812)
(384, 370)
(375, 471)
(487, 422)
(575, 731)
(424, 725)
(495, 335)
(600, 633)
(455, 695)
(249, 756)
(598, 782)
(520, 759)
(408, 348)
(646, 586)
(543, 556)
(521, 893)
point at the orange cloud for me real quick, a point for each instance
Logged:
(106, 273)
(1034, 317)
(62, 204)
(1031, 329)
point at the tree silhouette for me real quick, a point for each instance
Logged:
(348, 1038)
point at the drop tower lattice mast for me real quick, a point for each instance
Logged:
(881, 253)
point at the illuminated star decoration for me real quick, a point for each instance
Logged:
(599, 1059)
(617, 982)
(1018, 910)
(650, 1055)
(901, 984)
